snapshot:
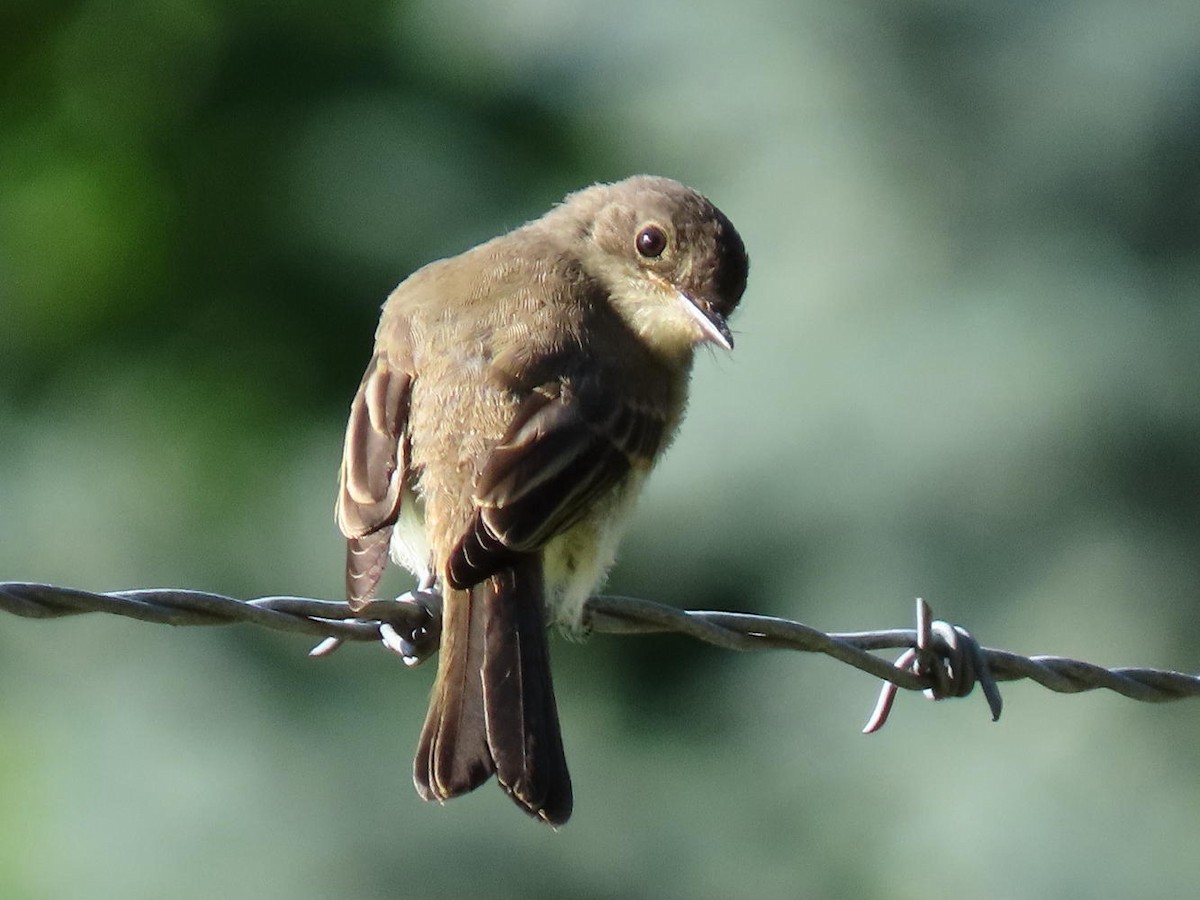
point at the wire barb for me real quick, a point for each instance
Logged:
(939, 659)
(950, 658)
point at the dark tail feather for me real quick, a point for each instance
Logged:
(453, 755)
(518, 694)
(493, 709)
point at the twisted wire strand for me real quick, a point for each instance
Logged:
(743, 631)
(940, 659)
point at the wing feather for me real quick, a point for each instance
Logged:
(373, 472)
(564, 449)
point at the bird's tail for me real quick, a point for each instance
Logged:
(493, 709)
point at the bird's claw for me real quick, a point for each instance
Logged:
(416, 634)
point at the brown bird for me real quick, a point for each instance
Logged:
(518, 396)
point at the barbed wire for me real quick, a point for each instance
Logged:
(939, 659)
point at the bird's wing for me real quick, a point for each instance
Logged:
(374, 468)
(568, 444)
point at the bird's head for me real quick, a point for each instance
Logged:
(673, 266)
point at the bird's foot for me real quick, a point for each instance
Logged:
(415, 630)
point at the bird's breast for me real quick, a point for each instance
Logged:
(576, 562)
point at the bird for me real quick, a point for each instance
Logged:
(517, 397)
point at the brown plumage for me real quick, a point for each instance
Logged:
(518, 395)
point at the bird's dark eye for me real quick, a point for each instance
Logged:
(651, 241)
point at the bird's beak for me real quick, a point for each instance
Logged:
(712, 323)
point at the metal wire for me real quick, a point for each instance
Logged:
(940, 659)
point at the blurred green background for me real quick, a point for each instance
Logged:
(967, 369)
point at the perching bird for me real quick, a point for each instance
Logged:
(518, 396)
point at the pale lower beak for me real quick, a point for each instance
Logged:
(712, 323)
